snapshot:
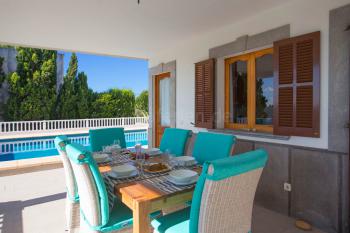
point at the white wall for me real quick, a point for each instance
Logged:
(304, 16)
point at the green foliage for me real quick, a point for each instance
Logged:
(261, 101)
(84, 97)
(75, 99)
(32, 88)
(141, 104)
(2, 73)
(115, 103)
(32, 92)
(67, 102)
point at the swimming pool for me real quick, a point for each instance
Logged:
(15, 149)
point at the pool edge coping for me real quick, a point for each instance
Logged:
(29, 163)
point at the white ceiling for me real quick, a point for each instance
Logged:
(118, 27)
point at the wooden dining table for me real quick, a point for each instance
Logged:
(143, 198)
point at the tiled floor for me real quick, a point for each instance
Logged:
(34, 203)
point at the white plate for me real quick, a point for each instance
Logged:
(185, 160)
(100, 158)
(123, 170)
(152, 151)
(115, 175)
(112, 148)
(176, 182)
(183, 175)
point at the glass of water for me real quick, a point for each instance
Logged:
(169, 158)
(116, 142)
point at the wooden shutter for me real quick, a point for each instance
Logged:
(205, 94)
(297, 86)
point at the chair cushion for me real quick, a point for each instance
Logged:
(106, 137)
(174, 140)
(212, 146)
(78, 155)
(119, 218)
(177, 222)
(71, 185)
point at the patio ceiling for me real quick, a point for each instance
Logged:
(118, 27)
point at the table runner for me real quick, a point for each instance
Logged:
(146, 175)
(156, 180)
(116, 159)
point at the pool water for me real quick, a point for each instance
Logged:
(15, 149)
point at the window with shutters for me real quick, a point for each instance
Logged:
(297, 86)
(204, 94)
(249, 91)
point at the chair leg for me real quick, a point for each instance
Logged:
(72, 215)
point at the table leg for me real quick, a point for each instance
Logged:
(141, 223)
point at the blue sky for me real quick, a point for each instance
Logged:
(105, 72)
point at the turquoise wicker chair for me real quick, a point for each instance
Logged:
(223, 197)
(106, 137)
(212, 146)
(174, 140)
(72, 200)
(99, 210)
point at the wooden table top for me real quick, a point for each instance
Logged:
(143, 197)
(140, 191)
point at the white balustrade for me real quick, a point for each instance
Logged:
(31, 145)
(50, 125)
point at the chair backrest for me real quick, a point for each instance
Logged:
(212, 146)
(106, 137)
(174, 140)
(92, 191)
(224, 195)
(72, 190)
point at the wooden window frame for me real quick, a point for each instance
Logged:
(250, 58)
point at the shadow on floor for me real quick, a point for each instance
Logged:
(11, 218)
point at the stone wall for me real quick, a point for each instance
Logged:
(316, 179)
(9, 65)
(317, 183)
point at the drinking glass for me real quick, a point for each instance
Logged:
(140, 157)
(169, 158)
(140, 160)
(116, 142)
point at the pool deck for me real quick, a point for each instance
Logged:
(33, 201)
(48, 133)
(13, 165)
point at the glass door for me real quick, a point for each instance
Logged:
(162, 105)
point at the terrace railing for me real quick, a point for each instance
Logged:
(74, 124)
(43, 144)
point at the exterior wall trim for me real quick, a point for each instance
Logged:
(246, 42)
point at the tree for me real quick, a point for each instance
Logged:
(66, 101)
(32, 88)
(141, 104)
(84, 96)
(114, 103)
(261, 100)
